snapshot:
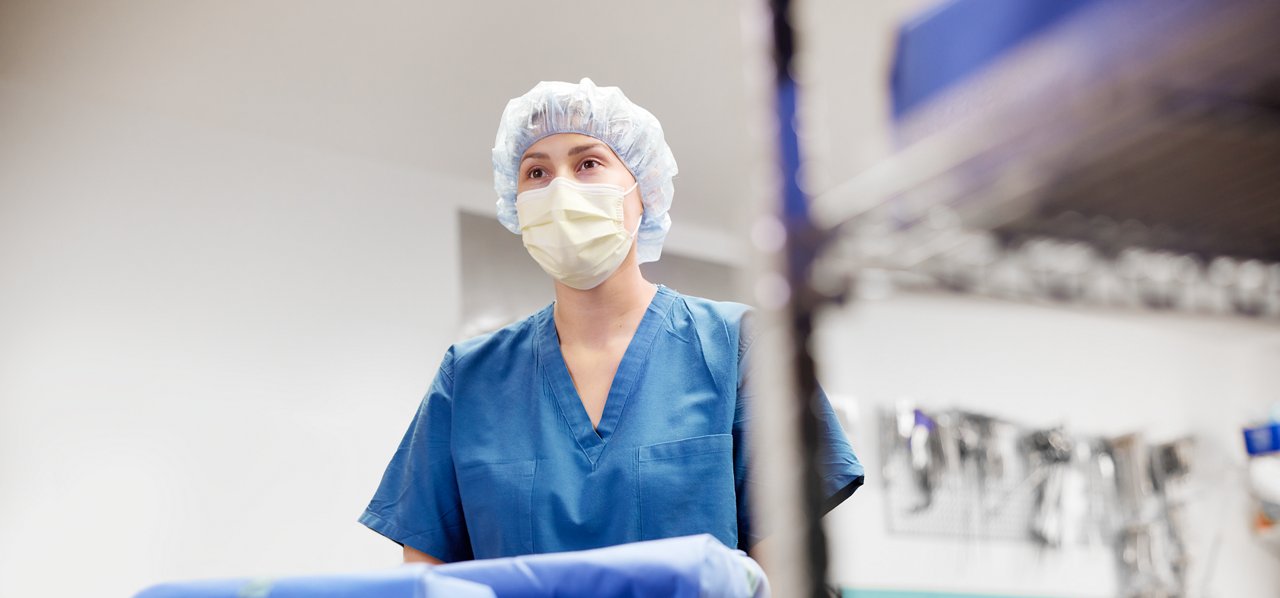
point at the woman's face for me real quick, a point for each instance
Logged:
(584, 159)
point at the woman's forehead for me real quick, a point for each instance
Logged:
(562, 143)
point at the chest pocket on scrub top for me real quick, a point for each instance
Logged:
(686, 487)
(497, 501)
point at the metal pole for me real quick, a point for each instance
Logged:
(802, 243)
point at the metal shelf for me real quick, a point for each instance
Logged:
(1165, 114)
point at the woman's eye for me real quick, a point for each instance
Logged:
(536, 172)
(590, 163)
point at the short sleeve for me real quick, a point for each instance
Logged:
(840, 469)
(417, 504)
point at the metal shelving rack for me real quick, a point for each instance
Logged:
(1161, 113)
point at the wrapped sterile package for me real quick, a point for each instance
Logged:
(409, 581)
(688, 566)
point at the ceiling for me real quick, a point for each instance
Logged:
(420, 85)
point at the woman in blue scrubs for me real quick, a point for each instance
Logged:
(617, 413)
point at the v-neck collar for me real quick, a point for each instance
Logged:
(556, 371)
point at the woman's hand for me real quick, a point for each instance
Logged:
(413, 555)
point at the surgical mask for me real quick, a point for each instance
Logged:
(575, 230)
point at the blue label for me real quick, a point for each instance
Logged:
(1263, 439)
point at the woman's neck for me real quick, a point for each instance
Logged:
(598, 316)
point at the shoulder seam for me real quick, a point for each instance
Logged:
(446, 368)
(746, 340)
(456, 354)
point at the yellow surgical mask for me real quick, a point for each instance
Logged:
(575, 231)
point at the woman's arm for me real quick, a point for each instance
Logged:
(413, 555)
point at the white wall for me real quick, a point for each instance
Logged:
(213, 341)
(1098, 372)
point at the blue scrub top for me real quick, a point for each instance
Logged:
(501, 458)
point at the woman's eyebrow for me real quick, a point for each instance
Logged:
(538, 155)
(582, 148)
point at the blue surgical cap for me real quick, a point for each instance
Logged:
(633, 133)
